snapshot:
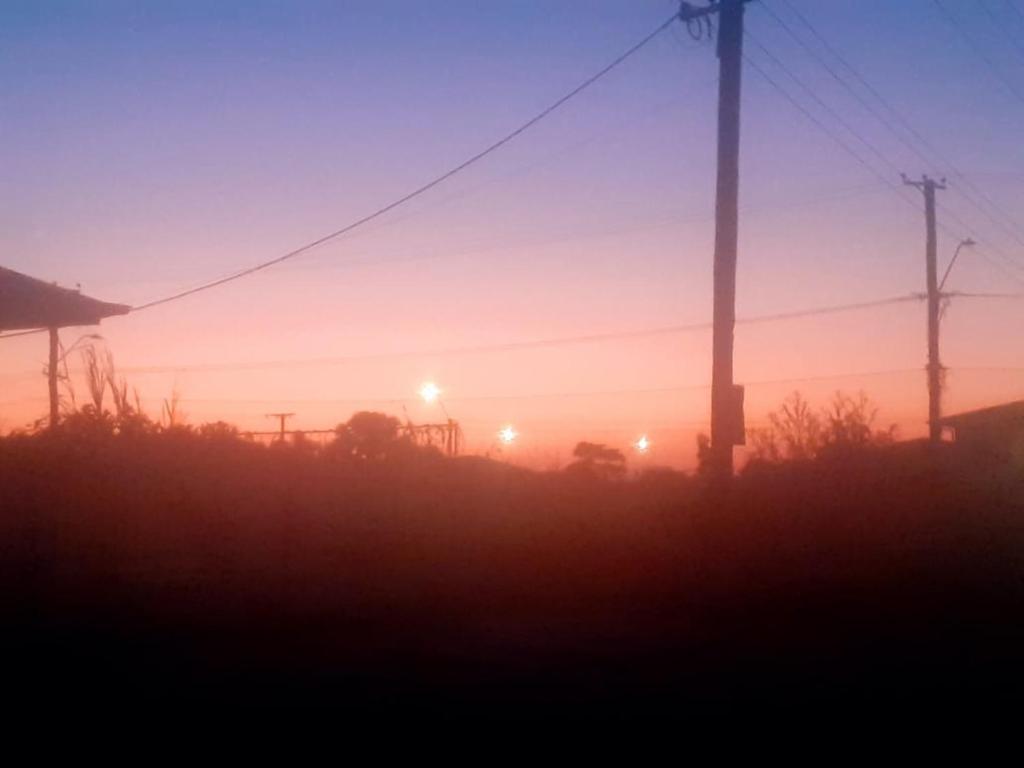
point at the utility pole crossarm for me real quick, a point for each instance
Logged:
(282, 418)
(690, 12)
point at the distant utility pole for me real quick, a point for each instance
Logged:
(727, 427)
(283, 418)
(928, 187)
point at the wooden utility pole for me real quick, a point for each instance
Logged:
(928, 187)
(52, 378)
(726, 402)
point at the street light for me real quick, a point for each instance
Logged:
(508, 435)
(968, 242)
(430, 392)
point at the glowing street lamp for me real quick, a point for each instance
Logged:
(643, 445)
(430, 392)
(508, 435)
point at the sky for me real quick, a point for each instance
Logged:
(150, 147)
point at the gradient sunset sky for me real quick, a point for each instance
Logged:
(149, 147)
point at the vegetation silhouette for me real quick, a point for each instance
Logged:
(796, 432)
(371, 436)
(598, 461)
(172, 565)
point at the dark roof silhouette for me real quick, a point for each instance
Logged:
(983, 416)
(26, 302)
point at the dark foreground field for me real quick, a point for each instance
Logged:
(180, 571)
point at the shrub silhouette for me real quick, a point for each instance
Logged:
(370, 436)
(798, 433)
(848, 424)
(219, 431)
(598, 461)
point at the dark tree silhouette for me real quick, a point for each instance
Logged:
(848, 423)
(798, 433)
(597, 460)
(220, 431)
(369, 436)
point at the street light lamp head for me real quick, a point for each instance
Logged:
(968, 242)
(430, 392)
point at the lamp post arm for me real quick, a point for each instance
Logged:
(952, 261)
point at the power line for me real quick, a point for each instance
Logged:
(1007, 271)
(996, 23)
(1014, 228)
(831, 310)
(1004, 177)
(668, 219)
(828, 131)
(424, 188)
(989, 368)
(22, 333)
(462, 193)
(824, 105)
(571, 394)
(856, 156)
(1013, 269)
(844, 145)
(999, 74)
(1014, 9)
(549, 395)
(522, 345)
(896, 189)
(975, 295)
